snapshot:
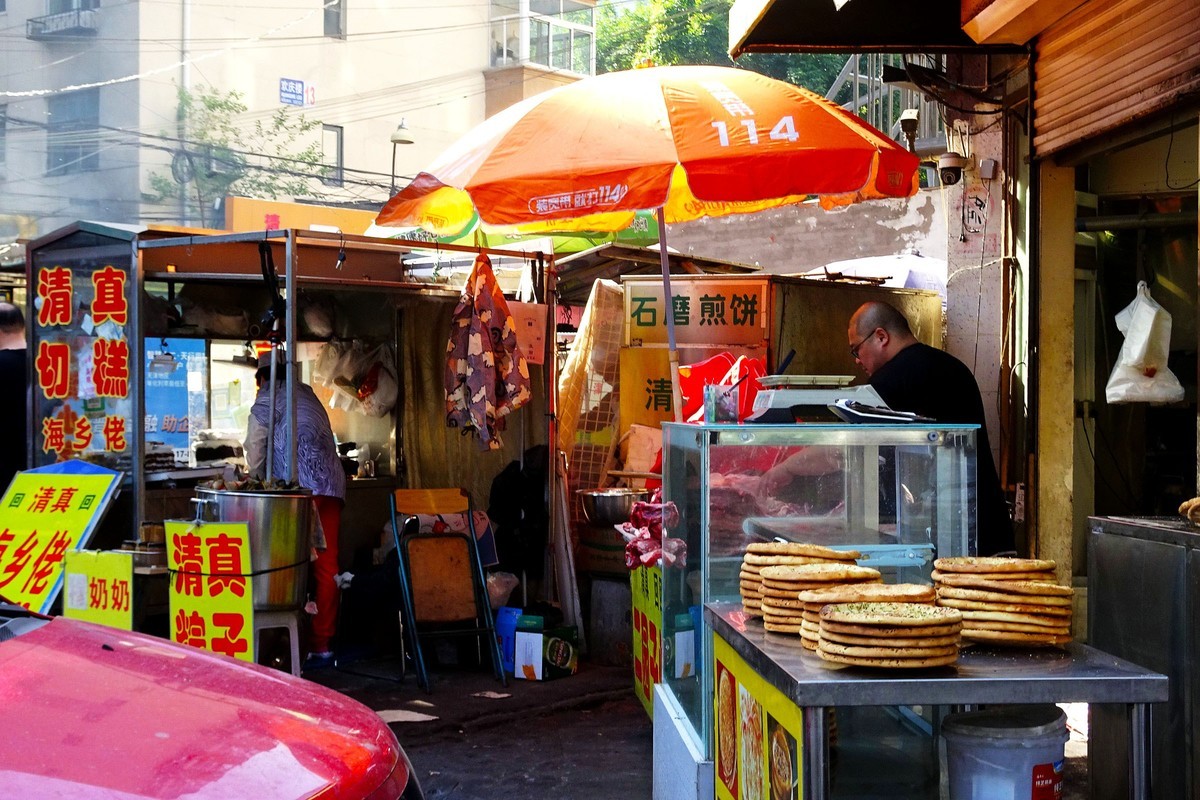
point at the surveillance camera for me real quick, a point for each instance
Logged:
(910, 118)
(950, 168)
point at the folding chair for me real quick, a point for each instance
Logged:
(442, 584)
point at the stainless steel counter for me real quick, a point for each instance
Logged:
(983, 675)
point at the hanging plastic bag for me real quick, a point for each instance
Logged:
(1141, 374)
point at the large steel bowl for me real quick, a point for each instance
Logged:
(610, 506)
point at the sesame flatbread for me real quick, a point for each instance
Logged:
(894, 641)
(782, 603)
(889, 614)
(970, 579)
(1016, 608)
(1043, 620)
(758, 561)
(870, 592)
(1002, 597)
(775, 627)
(819, 572)
(752, 577)
(1019, 627)
(888, 651)
(888, 663)
(800, 549)
(991, 564)
(1013, 637)
(904, 631)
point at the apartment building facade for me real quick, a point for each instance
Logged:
(90, 124)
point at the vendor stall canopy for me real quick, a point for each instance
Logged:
(852, 26)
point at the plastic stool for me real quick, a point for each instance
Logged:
(279, 619)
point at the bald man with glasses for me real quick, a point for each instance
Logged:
(912, 376)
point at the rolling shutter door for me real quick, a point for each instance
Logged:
(1111, 62)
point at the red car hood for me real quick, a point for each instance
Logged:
(89, 711)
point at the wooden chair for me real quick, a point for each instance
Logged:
(442, 585)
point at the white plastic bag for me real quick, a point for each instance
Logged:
(1141, 374)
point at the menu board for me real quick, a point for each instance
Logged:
(757, 733)
(80, 349)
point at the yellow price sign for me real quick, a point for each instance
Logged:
(212, 602)
(43, 516)
(100, 588)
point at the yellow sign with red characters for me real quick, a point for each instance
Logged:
(646, 586)
(100, 588)
(43, 516)
(757, 736)
(212, 602)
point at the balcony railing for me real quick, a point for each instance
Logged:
(65, 25)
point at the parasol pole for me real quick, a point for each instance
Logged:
(669, 310)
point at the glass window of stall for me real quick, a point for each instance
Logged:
(901, 495)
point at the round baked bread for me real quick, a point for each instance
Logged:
(748, 575)
(870, 593)
(819, 572)
(889, 631)
(782, 603)
(1017, 638)
(991, 564)
(889, 614)
(795, 587)
(991, 625)
(1016, 608)
(1003, 597)
(775, 627)
(975, 579)
(800, 549)
(894, 641)
(757, 560)
(887, 650)
(888, 663)
(1043, 620)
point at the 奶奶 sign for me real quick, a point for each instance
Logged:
(100, 588)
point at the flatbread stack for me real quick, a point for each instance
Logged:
(1006, 601)
(813, 600)
(768, 554)
(889, 635)
(781, 608)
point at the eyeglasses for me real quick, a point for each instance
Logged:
(855, 348)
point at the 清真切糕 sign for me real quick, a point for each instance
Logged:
(43, 516)
(212, 602)
(706, 311)
(80, 350)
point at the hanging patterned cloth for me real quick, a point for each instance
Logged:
(487, 378)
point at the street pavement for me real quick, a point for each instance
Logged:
(581, 737)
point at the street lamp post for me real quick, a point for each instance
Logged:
(399, 136)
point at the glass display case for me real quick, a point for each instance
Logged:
(901, 495)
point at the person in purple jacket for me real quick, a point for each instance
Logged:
(318, 469)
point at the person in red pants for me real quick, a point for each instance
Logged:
(319, 470)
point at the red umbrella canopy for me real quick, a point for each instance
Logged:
(695, 141)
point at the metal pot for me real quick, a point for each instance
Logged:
(280, 532)
(609, 506)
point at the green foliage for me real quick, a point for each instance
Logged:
(220, 155)
(694, 32)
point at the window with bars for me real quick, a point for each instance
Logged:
(72, 133)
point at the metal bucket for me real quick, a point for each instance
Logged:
(280, 529)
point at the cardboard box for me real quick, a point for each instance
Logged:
(544, 653)
(506, 634)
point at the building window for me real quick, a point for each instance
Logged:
(560, 34)
(335, 18)
(72, 141)
(332, 156)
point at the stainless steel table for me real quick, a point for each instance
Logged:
(983, 675)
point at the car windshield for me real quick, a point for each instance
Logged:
(15, 620)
